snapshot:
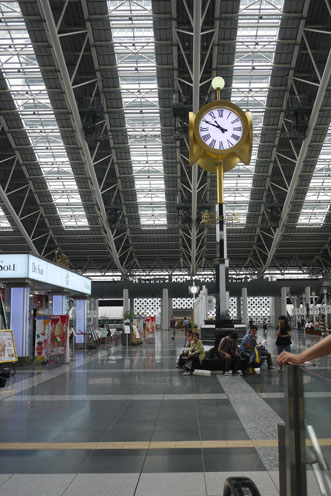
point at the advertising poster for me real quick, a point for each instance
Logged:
(7, 347)
(51, 338)
(150, 327)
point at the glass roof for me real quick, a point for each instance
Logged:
(318, 198)
(132, 31)
(255, 48)
(4, 223)
(24, 79)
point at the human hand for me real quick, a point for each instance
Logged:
(286, 357)
(190, 355)
(227, 355)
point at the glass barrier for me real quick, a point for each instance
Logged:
(317, 397)
(303, 442)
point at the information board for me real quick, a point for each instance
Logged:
(7, 346)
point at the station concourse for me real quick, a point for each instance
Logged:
(164, 161)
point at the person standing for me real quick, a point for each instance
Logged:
(186, 324)
(173, 325)
(283, 341)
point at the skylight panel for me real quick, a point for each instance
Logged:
(132, 30)
(255, 48)
(4, 223)
(318, 198)
(24, 79)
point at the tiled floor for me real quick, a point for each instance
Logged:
(126, 422)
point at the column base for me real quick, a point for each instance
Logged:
(214, 330)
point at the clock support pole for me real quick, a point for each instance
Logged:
(221, 261)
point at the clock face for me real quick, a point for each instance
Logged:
(221, 128)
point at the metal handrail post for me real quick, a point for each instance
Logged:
(282, 459)
(296, 480)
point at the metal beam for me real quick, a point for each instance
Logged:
(18, 222)
(195, 103)
(301, 158)
(45, 8)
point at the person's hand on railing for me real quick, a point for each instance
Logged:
(286, 357)
(318, 350)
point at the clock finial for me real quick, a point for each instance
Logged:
(218, 84)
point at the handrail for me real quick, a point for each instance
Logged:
(320, 466)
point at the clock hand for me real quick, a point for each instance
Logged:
(220, 127)
(208, 122)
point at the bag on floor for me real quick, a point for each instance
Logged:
(189, 365)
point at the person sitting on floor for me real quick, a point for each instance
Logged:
(228, 351)
(196, 355)
(184, 353)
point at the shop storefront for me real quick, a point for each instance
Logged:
(33, 288)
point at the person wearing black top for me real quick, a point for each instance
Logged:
(283, 337)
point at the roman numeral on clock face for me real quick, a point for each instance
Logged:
(234, 136)
(212, 143)
(211, 114)
(206, 137)
(220, 145)
(220, 112)
(234, 121)
(237, 128)
(204, 129)
(229, 143)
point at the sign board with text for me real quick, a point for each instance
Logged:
(31, 267)
(7, 346)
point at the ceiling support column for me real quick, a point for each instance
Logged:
(196, 104)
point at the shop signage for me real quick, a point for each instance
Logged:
(7, 346)
(31, 267)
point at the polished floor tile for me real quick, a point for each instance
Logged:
(103, 485)
(172, 484)
(177, 460)
(31, 485)
(137, 395)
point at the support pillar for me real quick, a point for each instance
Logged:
(126, 301)
(59, 304)
(222, 264)
(244, 306)
(325, 292)
(307, 298)
(283, 301)
(165, 317)
(21, 308)
(80, 320)
(297, 304)
(238, 307)
(314, 306)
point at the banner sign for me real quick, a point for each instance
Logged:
(31, 267)
(150, 327)
(7, 347)
(51, 338)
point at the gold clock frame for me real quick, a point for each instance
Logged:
(226, 105)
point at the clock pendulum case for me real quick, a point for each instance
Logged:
(220, 136)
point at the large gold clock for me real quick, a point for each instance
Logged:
(220, 131)
(220, 127)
